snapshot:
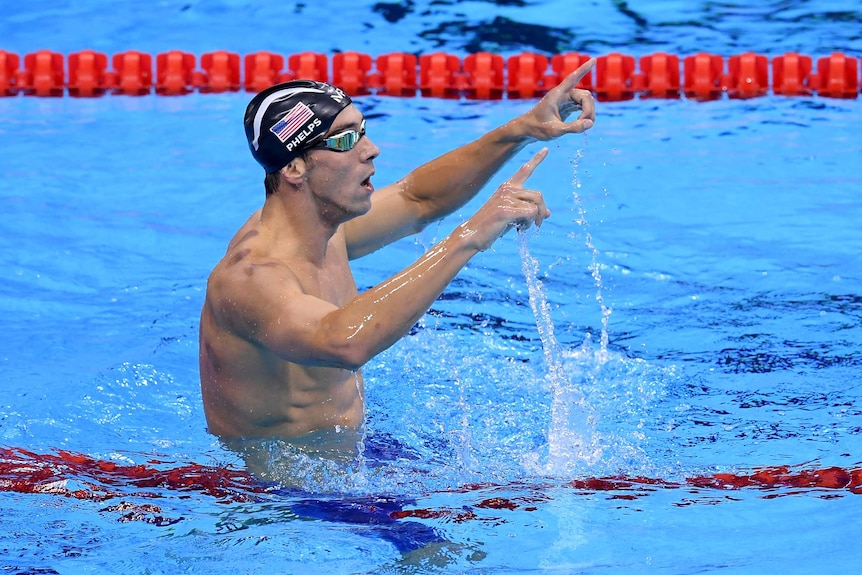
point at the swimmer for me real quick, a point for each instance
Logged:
(284, 331)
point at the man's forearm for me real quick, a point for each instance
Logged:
(450, 181)
(379, 317)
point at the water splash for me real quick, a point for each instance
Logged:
(463, 437)
(572, 436)
(594, 267)
(363, 434)
(360, 464)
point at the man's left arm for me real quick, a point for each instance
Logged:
(438, 188)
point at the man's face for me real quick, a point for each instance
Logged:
(342, 180)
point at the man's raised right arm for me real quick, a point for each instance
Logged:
(270, 307)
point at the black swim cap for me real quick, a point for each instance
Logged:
(286, 119)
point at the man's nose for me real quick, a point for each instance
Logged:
(370, 151)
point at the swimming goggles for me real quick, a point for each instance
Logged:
(342, 141)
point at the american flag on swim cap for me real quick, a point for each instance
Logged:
(291, 122)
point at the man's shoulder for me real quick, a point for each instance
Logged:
(244, 268)
(241, 292)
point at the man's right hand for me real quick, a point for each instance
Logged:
(512, 205)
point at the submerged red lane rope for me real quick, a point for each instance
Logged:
(24, 471)
(82, 477)
(701, 76)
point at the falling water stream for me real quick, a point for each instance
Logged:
(572, 436)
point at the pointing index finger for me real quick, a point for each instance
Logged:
(572, 79)
(525, 171)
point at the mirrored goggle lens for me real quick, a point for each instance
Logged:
(345, 141)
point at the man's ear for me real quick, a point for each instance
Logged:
(294, 172)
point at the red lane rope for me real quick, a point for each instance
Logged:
(24, 471)
(780, 481)
(82, 477)
(79, 476)
(701, 76)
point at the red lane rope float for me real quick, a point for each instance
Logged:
(79, 476)
(484, 76)
(632, 488)
(23, 471)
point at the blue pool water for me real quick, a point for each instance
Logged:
(698, 285)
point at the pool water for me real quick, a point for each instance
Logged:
(690, 312)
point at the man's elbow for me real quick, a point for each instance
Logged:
(352, 346)
(351, 361)
(350, 355)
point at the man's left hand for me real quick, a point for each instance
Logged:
(547, 119)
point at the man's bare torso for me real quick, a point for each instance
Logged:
(250, 391)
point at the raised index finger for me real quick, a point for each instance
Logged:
(572, 79)
(525, 171)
